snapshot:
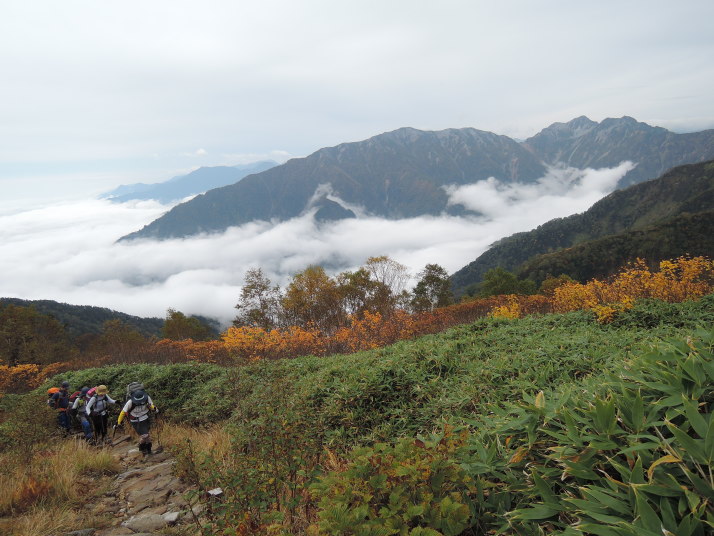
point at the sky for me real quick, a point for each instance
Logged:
(98, 94)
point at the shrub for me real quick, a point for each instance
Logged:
(414, 487)
(629, 456)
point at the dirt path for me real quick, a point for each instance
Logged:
(144, 498)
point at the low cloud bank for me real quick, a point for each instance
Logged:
(69, 252)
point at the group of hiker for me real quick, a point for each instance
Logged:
(89, 407)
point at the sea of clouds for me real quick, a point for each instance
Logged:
(69, 252)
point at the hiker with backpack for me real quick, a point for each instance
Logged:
(97, 411)
(137, 407)
(79, 409)
(59, 400)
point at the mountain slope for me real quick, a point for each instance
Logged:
(685, 189)
(582, 143)
(196, 182)
(686, 234)
(83, 319)
(401, 174)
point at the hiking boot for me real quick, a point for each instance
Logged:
(148, 448)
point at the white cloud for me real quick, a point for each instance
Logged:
(560, 192)
(69, 252)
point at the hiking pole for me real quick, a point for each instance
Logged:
(114, 433)
(156, 422)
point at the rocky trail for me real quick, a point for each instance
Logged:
(144, 499)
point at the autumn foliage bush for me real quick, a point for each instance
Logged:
(23, 378)
(676, 280)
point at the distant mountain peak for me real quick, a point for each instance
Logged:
(402, 173)
(574, 128)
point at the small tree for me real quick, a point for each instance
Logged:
(312, 299)
(260, 302)
(27, 336)
(388, 272)
(392, 278)
(119, 341)
(360, 293)
(177, 326)
(433, 289)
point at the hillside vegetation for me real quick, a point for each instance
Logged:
(604, 256)
(87, 319)
(655, 220)
(320, 315)
(512, 403)
(517, 422)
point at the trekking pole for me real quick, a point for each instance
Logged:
(158, 433)
(114, 433)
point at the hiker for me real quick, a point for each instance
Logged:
(137, 407)
(97, 412)
(73, 420)
(79, 408)
(60, 401)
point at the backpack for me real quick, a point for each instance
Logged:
(72, 398)
(95, 411)
(133, 386)
(139, 398)
(91, 393)
(61, 402)
(51, 391)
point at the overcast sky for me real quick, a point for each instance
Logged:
(95, 94)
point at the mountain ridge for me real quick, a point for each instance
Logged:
(363, 173)
(402, 173)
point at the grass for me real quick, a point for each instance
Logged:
(47, 520)
(48, 491)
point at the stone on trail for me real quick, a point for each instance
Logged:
(145, 523)
(171, 517)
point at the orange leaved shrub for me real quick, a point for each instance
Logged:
(676, 281)
(23, 378)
